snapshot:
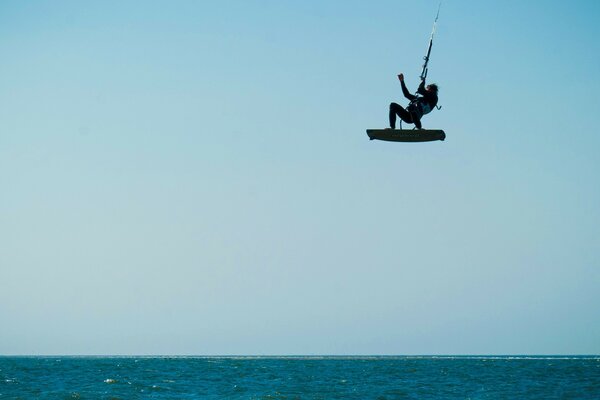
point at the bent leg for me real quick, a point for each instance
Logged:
(397, 109)
(418, 123)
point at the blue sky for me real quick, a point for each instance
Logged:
(194, 177)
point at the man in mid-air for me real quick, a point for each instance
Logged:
(419, 105)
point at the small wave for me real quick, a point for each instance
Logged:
(504, 358)
(217, 359)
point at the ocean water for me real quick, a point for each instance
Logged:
(300, 378)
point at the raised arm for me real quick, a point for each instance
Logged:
(421, 89)
(430, 96)
(405, 91)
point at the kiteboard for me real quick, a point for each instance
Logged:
(406, 135)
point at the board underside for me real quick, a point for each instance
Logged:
(406, 135)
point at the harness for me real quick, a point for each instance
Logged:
(418, 107)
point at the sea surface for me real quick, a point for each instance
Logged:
(300, 377)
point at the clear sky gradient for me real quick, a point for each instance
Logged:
(194, 177)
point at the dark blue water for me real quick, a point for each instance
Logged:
(300, 378)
